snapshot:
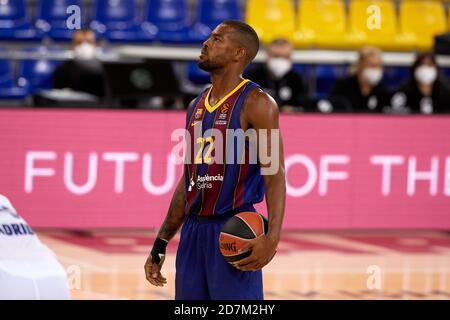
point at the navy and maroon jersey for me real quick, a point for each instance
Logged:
(217, 188)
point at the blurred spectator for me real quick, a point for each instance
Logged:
(83, 73)
(277, 77)
(363, 89)
(425, 92)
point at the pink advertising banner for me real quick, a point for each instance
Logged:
(112, 169)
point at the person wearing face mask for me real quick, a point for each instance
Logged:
(278, 78)
(425, 92)
(84, 72)
(363, 89)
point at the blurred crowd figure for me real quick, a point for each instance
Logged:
(362, 91)
(363, 88)
(278, 77)
(426, 91)
(84, 72)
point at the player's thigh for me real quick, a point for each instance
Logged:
(190, 278)
(225, 281)
(228, 283)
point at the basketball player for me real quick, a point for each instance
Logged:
(209, 194)
(28, 269)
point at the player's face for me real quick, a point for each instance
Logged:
(218, 50)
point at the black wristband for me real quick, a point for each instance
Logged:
(158, 250)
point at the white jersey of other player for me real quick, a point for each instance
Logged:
(28, 268)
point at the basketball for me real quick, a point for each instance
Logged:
(238, 230)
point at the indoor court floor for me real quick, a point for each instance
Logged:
(106, 264)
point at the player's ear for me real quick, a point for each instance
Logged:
(240, 54)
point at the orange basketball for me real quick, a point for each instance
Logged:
(238, 230)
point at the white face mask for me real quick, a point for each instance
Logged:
(279, 66)
(85, 51)
(372, 75)
(425, 74)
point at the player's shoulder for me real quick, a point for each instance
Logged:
(258, 93)
(190, 108)
(259, 101)
(191, 105)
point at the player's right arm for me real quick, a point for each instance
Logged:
(173, 221)
(175, 215)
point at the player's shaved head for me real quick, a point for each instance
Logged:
(231, 44)
(246, 37)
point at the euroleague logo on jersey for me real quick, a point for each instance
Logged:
(223, 114)
(224, 109)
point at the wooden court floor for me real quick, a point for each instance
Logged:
(309, 265)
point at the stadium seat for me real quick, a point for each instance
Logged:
(271, 19)
(326, 76)
(197, 75)
(420, 21)
(446, 73)
(321, 23)
(35, 75)
(8, 88)
(118, 20)
(168, 20)
(307, 71)
(210, 13)
(394, 77)
(52, 18)
(366, 29)
(15, 23)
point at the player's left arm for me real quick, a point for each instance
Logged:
(261, 112)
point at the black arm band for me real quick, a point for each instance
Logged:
(159, 250)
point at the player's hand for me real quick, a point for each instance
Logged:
(263, 250)
(153, 272)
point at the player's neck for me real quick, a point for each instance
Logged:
(223, 82)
